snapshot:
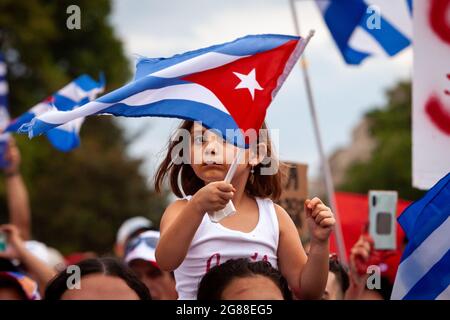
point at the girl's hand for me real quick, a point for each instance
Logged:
(214, 196)
(320, 220)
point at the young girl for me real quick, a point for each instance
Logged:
(190, 244)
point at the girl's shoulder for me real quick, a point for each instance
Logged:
(172, 211)
(283, 217)
(178, 204)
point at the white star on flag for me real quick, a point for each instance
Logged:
(248, 81)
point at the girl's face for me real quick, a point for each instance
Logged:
(211, 156)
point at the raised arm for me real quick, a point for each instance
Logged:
(17, 194)
(306, 275)
(35, 267)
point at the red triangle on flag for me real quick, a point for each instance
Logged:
(234, 83)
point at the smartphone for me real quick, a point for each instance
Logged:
(382, 217)
(2, 241)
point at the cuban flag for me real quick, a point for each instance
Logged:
(353, 25)
(226, 87)
(77, 93)
(4, 113)
(424, 271)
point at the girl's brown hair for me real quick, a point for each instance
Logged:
(264, 186)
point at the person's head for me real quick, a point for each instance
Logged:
(382, 293)
(17, 286)
(99, 279)
(203, 156)
(240, 279)
(6, 265)
(129, 229)
(338, 281)
(140, 257)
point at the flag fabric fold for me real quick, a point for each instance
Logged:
(75, 94)
(353, 26)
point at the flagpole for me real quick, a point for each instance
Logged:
(324, 162)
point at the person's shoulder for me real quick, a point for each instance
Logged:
(283, 217)
(279, 210)
(177, 205)
(172, 211)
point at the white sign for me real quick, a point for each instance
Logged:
(431, 92)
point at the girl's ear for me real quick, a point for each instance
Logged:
(257, 153)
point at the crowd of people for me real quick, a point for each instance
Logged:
(254, 254)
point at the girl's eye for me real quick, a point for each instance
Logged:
(198, 139)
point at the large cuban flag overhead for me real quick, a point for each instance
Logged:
(226, 86)
(362, 28)
(75, 94)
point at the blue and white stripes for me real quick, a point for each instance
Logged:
(351, 25)
(424, 271)
(3, 83)
(4, 113)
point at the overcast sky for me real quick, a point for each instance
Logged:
(343, 93)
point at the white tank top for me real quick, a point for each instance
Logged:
(214, 244)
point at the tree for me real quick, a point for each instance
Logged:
(79, 198)
(389, 166)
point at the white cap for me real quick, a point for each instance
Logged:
(143, 247)
(38, 249)
(130, 226)
(55, 259)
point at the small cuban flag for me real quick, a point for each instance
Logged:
(4, 113)
(77, 93)
(226, 86)
(364, 28)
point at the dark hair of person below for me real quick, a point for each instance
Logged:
(341, 274)
(8, 283)
(106, 266)
(219, 277)
(386, 287)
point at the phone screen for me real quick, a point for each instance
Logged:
(383, 223)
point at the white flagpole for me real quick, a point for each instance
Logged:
(324, 162)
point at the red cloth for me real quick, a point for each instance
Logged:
(354, 215)
(77, 257)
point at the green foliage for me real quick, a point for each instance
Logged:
(389, 167)
(78, 199)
